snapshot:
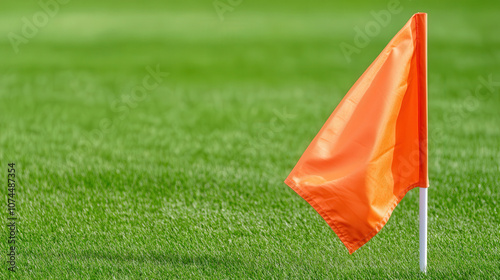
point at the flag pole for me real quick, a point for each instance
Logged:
(423, 229)
(423, 190)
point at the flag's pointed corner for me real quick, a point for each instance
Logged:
(420, 15)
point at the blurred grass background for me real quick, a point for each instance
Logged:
(187, 182)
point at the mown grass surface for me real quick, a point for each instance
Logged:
(187, 182)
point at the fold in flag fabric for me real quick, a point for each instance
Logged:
(373, 148)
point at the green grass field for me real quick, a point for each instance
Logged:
(184, 180)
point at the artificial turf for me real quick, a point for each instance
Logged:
(185, 180)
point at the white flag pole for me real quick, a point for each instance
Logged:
(423, 229)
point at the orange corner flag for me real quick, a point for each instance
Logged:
(373, 148)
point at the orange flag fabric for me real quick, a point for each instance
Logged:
(373, 148)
